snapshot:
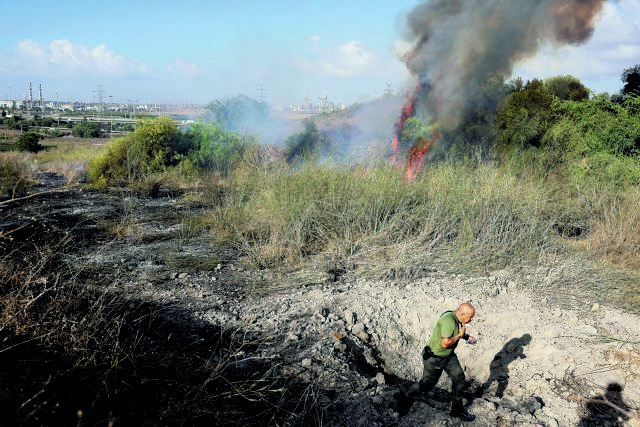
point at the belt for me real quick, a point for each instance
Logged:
(427, 353)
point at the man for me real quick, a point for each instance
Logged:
(439, 355)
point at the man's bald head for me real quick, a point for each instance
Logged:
(465, 312)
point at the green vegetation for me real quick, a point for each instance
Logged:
(557, 184)
(86, 129)
(631, 79)
(157, 146)
(306, 144)
(561, 164)
(237, 113)
(210, 148)
(14, 178)
(30, 142)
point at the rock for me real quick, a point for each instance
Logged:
(547, 420)
(350, 317)
(318, 318)
(340, 347)
(521, 404)
(369, 357)
(595, 307)
(378, 400)
(183, 275)
(359, 331)
(380, 378)
(306, 363)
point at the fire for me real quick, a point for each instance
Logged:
(416, 154)
(421, 146)
(407, 111)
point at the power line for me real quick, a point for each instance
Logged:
(261, 93)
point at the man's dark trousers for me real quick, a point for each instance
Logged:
(433, 368)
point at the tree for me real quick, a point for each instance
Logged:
(86, 129)
(567, 88)
(30, 142)
(525, 116)
(631, 79)
(11, 122)
(238, 113)
(304, 144)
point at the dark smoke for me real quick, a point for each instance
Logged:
(457, 45)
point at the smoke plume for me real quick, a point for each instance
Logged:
(458, 44)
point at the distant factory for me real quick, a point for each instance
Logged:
(322, 106)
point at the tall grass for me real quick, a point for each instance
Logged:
(15, 179)
(290, 214)
(459, 215)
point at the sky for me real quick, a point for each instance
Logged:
(282, 51)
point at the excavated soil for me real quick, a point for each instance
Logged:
(539, 361)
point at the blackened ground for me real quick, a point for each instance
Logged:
(180, 372)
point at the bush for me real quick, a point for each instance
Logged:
(238, 113)
(86, 129)
(12, 123)
(14, 181)
(306, 144)
(152, 148)
(30, 142)
(567, 88)
(214, 149)
(524, 118)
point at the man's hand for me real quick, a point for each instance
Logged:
(463, 330)
(447, 342)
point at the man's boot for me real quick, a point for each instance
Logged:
(459, 411)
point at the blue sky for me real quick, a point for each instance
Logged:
(197, 51)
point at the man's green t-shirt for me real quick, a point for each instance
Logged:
(446, 326)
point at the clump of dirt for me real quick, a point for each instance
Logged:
(354, 345)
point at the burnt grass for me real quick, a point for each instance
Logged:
(73, 353)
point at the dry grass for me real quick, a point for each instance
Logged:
(141, 363)
(616, 232)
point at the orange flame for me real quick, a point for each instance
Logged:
(407, 111)
(417, 153)
(421, 146)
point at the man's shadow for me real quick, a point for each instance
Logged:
(499, 367)
(609, 409)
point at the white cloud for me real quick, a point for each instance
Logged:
(184, 69)
(350, 59)
(31, 52)
(68, 57)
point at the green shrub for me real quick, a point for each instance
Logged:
(306, 144)
(524, 118)
(86, 129)
(214, 149)
(30, 142)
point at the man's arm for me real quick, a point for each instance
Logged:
(447, 342)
